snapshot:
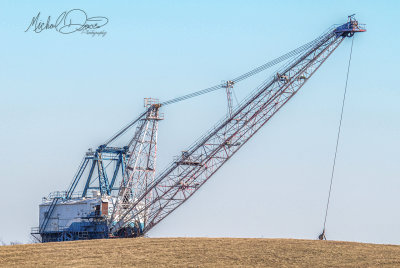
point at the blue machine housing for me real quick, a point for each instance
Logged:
(348, 29)
(78, 231)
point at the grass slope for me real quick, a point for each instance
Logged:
(192, 252)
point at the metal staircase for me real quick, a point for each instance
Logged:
(48, 214)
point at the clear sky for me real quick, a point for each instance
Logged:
(61, 94)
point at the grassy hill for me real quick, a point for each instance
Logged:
(192, 252)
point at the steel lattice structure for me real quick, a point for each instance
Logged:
(141, 164)
(199, 163)
(139, 199)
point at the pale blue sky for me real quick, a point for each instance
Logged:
(61, 94)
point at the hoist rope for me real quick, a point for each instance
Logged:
(322, 235)
(242, 77)
(248, 74)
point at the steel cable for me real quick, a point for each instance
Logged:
(248, 74)
(322, 235)
(257, 70)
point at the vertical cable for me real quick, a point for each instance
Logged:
(322, 235)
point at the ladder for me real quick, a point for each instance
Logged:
(48, 214)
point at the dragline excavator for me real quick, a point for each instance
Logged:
(116, 191)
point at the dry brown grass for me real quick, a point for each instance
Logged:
(194, 252)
